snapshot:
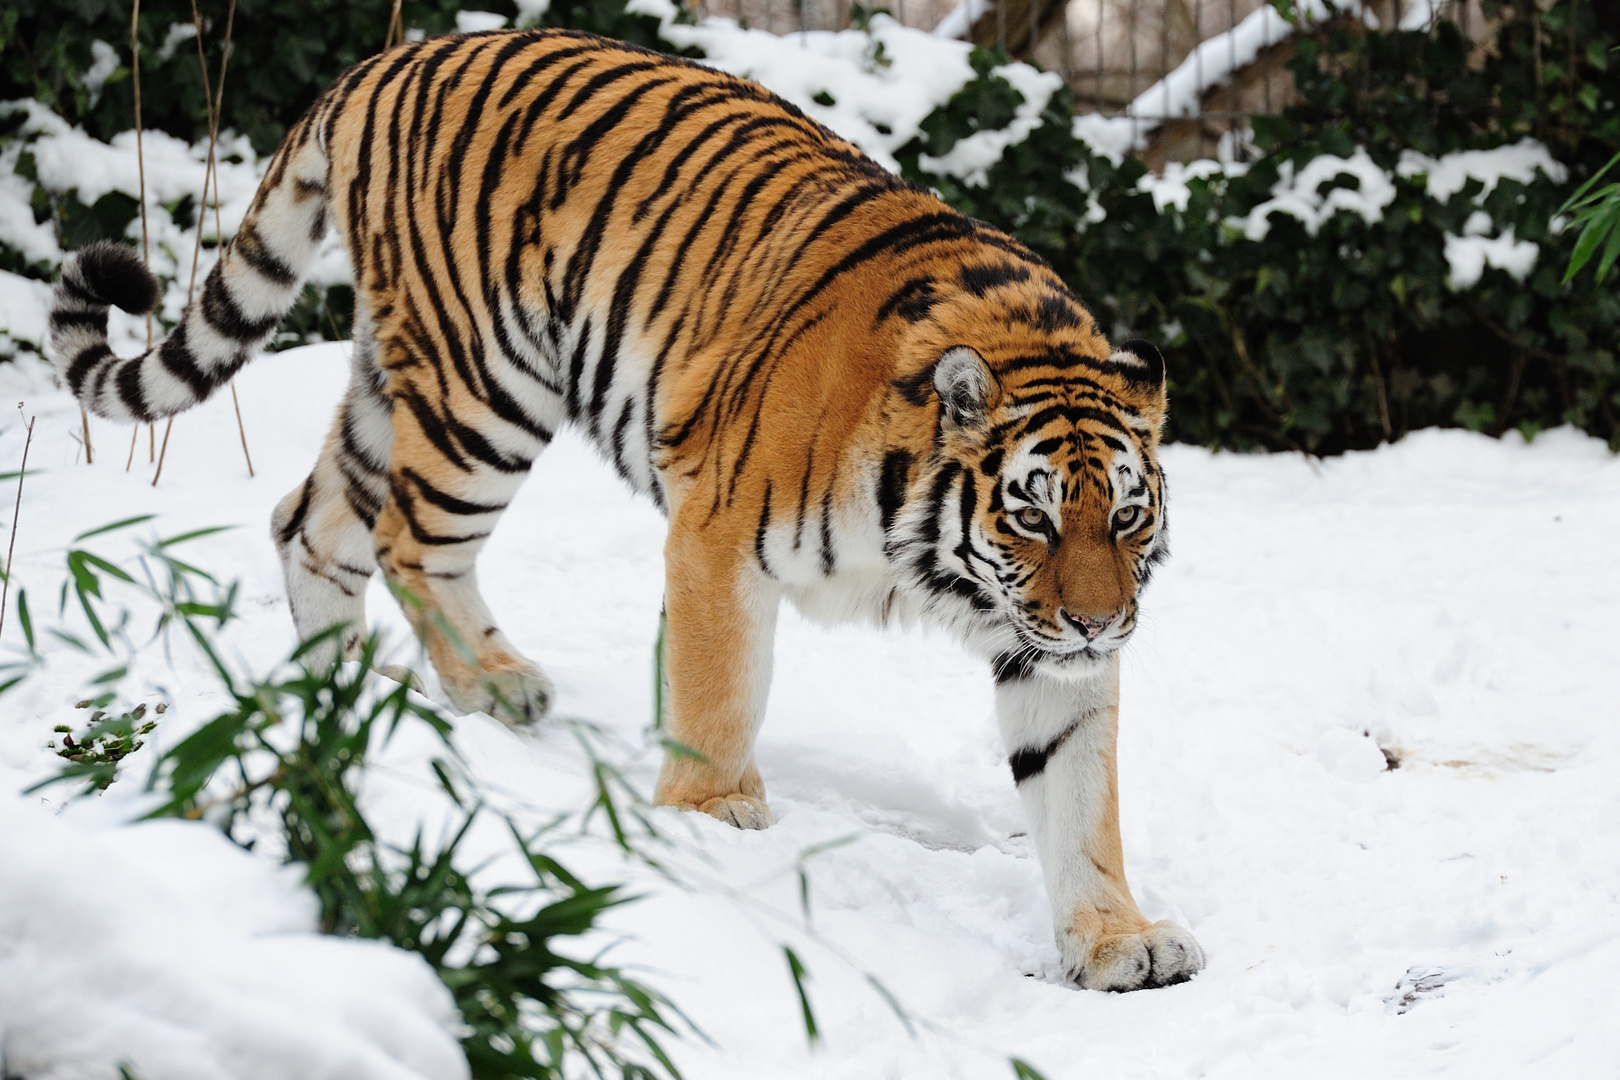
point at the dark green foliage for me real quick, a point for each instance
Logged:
(1352, 336)
(283, 54)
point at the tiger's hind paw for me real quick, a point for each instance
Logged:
(739, 810)
(407, 678)
(517, 698)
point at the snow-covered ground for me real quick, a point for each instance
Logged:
(1449, 602)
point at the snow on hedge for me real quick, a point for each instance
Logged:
(881, 85)
(1299, 194)
(972, 158)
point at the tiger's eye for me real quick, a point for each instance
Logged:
(1032, 519)
(1126, 517)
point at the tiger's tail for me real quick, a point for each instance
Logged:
(254, 284)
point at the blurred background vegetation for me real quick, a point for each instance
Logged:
(1321, 341)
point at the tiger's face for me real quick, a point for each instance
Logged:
(1044, 516)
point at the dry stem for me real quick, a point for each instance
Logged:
(5, 588)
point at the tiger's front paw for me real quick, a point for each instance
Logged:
(737, 809)
(1159, 955)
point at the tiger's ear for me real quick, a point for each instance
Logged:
(1142, 367)
(965, 386)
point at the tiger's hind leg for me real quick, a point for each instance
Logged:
(322, 529)
(454, 467)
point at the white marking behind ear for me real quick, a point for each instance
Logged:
(964, 385)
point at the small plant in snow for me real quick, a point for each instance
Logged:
(107, 740)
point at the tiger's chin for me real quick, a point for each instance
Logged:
(1076, 666)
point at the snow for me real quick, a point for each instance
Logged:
(960, 19)
(472, 22)
(25, 306)
(1469, 254)
(1297, 194)
(104, 63)
(1448, 600)
(1211, 64)
(1447, 175)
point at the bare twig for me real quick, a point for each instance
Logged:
(5, 588)
(396, 32)
(240, 430)
(214, 97)
(140, 162)
(167, 427)
(219, 229)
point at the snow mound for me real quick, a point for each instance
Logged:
(166, 948)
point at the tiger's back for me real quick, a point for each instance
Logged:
(837, 388)
(633, 223)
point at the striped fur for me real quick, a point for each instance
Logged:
(837, 389)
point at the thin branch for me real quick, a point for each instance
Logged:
(16, 510)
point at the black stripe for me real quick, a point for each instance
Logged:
(96, 320)
(84, 363)
(759, 533)
(892, 481)
(1014, 666)
(601, 79)
(251, 246)
(1031, 760)
(178, 360)
(130, 389)
(296, 521)
(444, 500)
(826, 534)
(222, 312)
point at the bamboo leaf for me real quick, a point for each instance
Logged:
(800, 976)
(1611, 251)
(124, 524)
(194, 534)
(26, 619)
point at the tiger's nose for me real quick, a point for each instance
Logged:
(1091, 627)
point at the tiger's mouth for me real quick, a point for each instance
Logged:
(1062, 651)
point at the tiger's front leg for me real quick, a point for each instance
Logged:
(720, 630)
(1060, 738)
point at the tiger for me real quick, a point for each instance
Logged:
(836, 388)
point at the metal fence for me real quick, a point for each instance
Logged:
(1190, 71)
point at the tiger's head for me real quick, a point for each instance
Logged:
(1041, 512)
